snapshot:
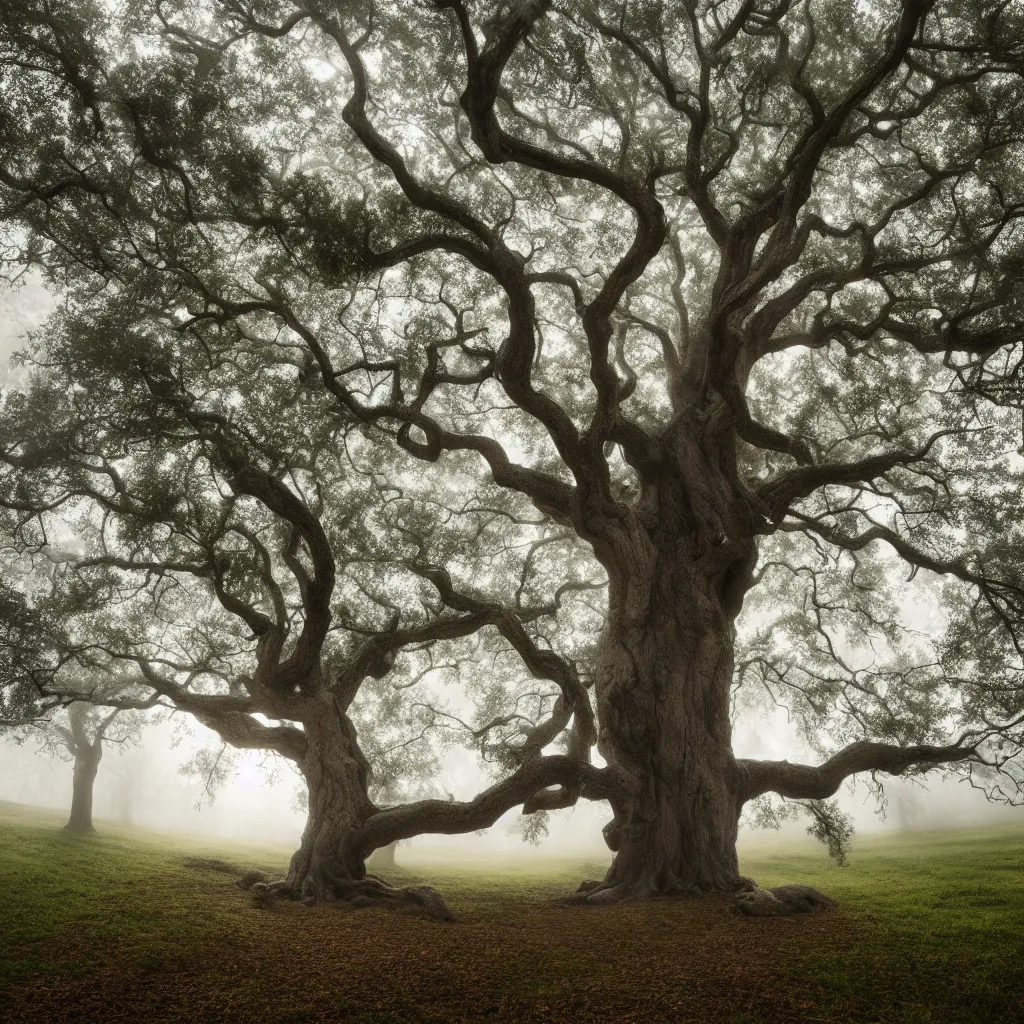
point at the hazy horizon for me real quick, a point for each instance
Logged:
(142, 785)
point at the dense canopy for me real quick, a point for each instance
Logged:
(421, 357)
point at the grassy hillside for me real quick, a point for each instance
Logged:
(116, 927)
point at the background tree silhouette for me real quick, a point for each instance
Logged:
(82, 733)
(719, 301)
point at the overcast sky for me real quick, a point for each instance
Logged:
(22, 308)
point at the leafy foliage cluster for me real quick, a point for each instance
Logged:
(393, 333)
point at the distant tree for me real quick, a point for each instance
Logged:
(235, 568)
(34, 702)
(388, 322)
(81, 732)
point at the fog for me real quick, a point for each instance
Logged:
(144, 785)
(22, 309)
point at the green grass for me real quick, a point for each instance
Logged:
(930, 929)
(941, 917)
(121, 886)
(927, 887)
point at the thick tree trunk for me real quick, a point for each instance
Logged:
(87, 763)
(679, 565)
(336, 773)
(663, 689)
(329, 864)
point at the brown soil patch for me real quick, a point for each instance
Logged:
(656, 961)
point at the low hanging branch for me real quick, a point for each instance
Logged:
(818, 782)
(454, 817)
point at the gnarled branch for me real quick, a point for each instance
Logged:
(817, 782)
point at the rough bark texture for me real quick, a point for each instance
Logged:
(679, 565)
(663, 693)
(328, 864)
(336, 776)
(677, 578)
(87, 763)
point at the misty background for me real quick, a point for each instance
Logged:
(148, 783)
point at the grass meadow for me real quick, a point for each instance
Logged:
(116, 927)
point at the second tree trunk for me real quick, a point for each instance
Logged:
(87, 763)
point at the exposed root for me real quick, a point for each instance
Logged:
(370, 891)
(753, 901)
(749, 899)
(250, 878)
(598, 894)
(605, 895)
(265, 893)
(246, 876)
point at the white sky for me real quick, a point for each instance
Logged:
(21, 310)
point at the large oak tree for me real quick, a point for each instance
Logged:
(206, 536)
(722, 299)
